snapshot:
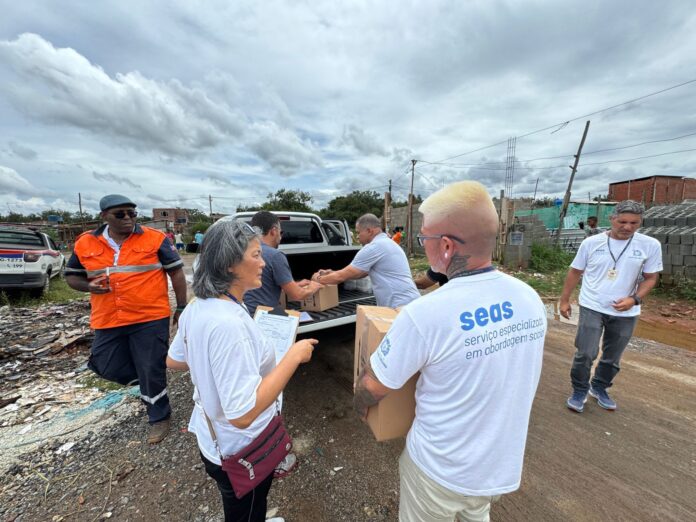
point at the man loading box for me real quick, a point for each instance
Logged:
(478, 343)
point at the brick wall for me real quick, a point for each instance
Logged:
(659, 190)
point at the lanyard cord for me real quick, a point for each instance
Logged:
(240, 303)
(466, 273)
(616, 259)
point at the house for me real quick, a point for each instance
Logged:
(175, 218)
(654, 190)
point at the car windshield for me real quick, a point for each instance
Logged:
(19, 238)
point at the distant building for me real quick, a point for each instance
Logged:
(174, 217)
(654, 190)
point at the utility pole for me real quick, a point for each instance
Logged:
(82, 216)
(566, 199)
(210, 203)
(409, 217)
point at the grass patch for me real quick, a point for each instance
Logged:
(682, 289)
(547, 258)
(546, 285)
(418, 263)
(92, 380)
(59, 292)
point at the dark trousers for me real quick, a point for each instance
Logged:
(251, 507)
(136, 354)
(617, 332)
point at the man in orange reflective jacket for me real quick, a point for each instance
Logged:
(123, 265)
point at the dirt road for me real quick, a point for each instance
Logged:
(638, 463)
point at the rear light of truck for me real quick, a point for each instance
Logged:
(31, 257)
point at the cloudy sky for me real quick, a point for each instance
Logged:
(172, 101)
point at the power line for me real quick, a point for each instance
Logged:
(566, 122)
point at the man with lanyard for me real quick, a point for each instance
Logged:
(122, 265)
(478, 345)
(380, 258)
(276, 275)
(618, 269)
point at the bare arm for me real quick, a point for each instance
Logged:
(423, 281)
(648, 283)
(368, 392)
(571, 281)
(295, 292)
(179, 284)
(334, 278)
(178, 366)
(274, 383)
(93, 286)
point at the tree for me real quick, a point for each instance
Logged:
(196, 216)
(354, 205)
(290, 200)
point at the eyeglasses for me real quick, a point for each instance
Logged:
(422, 238)
(248, 229)
(121, 214)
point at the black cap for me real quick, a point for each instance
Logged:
(115, 200)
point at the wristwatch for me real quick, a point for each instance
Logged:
(637, 299)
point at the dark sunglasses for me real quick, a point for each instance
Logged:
(121, 214)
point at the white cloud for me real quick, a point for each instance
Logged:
(11, 182)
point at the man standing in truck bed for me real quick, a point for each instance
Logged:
(380, 258)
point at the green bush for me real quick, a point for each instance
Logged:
(686, 288)
(547, 258)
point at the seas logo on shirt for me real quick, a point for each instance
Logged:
(482, 315)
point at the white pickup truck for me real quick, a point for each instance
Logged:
(311, 244)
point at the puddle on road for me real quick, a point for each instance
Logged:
(653, 330)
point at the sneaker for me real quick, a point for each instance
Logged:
(286, 466)
(275, 519)
(158, 431)
(603, 398)
(576, 402)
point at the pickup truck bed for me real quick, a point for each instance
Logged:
(344, 313)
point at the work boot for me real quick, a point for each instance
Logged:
(576, 402)
(603, 398)
(158, 431)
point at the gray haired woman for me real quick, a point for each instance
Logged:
(233, 366)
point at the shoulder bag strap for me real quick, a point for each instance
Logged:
(207, 419)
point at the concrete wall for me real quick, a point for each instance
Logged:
(674, 226)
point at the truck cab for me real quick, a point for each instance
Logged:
(311, 244)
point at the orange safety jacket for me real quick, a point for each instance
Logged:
(138, 282)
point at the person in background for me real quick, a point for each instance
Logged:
(276, 274)
(591, 228)
(170, 236)
(179, 241)
(124, 267)
(397, 235)
(198, 238)
(380, 258)
(231, 363)
(618, 269)
(478, 345)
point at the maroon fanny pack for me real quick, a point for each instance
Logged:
(253, 464)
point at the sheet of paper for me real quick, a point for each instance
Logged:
(280, 330)
(305, 317)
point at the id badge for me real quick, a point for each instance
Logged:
(611, 274)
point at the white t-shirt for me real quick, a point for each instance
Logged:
(478, 342)
(389, 272)
(228, 356)
(598, 292)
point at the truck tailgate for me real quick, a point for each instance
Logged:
(344, 313)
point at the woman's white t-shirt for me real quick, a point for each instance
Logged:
(227, 356)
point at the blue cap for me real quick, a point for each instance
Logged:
(115, 200)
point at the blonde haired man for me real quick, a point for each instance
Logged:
(477, 343)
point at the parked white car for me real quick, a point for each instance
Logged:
(28, 259)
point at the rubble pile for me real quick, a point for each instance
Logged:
(42, 351)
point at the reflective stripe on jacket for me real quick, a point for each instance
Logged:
(138, 283)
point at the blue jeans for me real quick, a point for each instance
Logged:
(617, 332)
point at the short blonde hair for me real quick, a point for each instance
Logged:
(457, 199)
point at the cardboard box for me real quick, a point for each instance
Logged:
(322, 300)
(392, 416)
